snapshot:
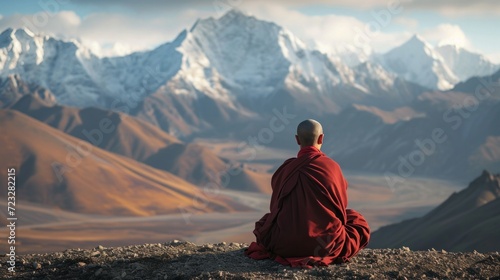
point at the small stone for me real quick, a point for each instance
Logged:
(95, 254)
(98, 272)
(175, 241)
(123, 274)
(406, 249)
(37, 265)
(100, 247)
(443, 251)
(81, 264)
(165, 276)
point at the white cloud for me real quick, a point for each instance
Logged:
(445, 7)
(457, 7)
(494, 57)
(447, 34)
(406, 22)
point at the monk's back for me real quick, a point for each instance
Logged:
(318, 197)
(308, 223)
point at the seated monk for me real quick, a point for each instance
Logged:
(308, 223)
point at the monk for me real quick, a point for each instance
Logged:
(309, 223)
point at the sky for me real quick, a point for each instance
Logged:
(119, 27)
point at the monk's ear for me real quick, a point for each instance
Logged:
(297, 138)
(320, 139)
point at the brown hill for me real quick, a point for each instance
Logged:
(466, 221)
(60, 171)
(199, 165)
(112, 131)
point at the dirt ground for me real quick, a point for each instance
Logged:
(185, 260)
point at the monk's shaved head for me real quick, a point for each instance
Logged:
(308, 132)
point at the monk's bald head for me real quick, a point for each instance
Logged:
(308, 133)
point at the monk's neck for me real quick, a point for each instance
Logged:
(308, 150)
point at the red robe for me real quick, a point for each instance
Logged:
(308, 223)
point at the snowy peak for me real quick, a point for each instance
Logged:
(416, 43)
(416, 61)
(20, 46)
(10, 34)
(466, 64)
(248, 55)
(437, 68)
(50, 63)
(255, 56)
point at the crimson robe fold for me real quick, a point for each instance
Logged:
(309, 223)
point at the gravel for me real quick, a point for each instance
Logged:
(184, 260)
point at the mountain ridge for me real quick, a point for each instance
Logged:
(462, 222)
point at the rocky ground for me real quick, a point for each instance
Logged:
(185, 260)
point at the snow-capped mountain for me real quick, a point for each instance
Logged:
(418, 62)
(50, 63)
(238, 62)
(466, 64)
(434, 67)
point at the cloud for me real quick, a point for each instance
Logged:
(407, 22)
(447, 34)
(445, 7)
(494, 57)
(457, 7)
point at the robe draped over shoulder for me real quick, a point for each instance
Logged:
(309, 223)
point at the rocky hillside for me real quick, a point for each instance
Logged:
(185, 260)
(466, 221)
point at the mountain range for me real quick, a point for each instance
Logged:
(466, 221)
(450, 135)
(228, 77)
(230, 69)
